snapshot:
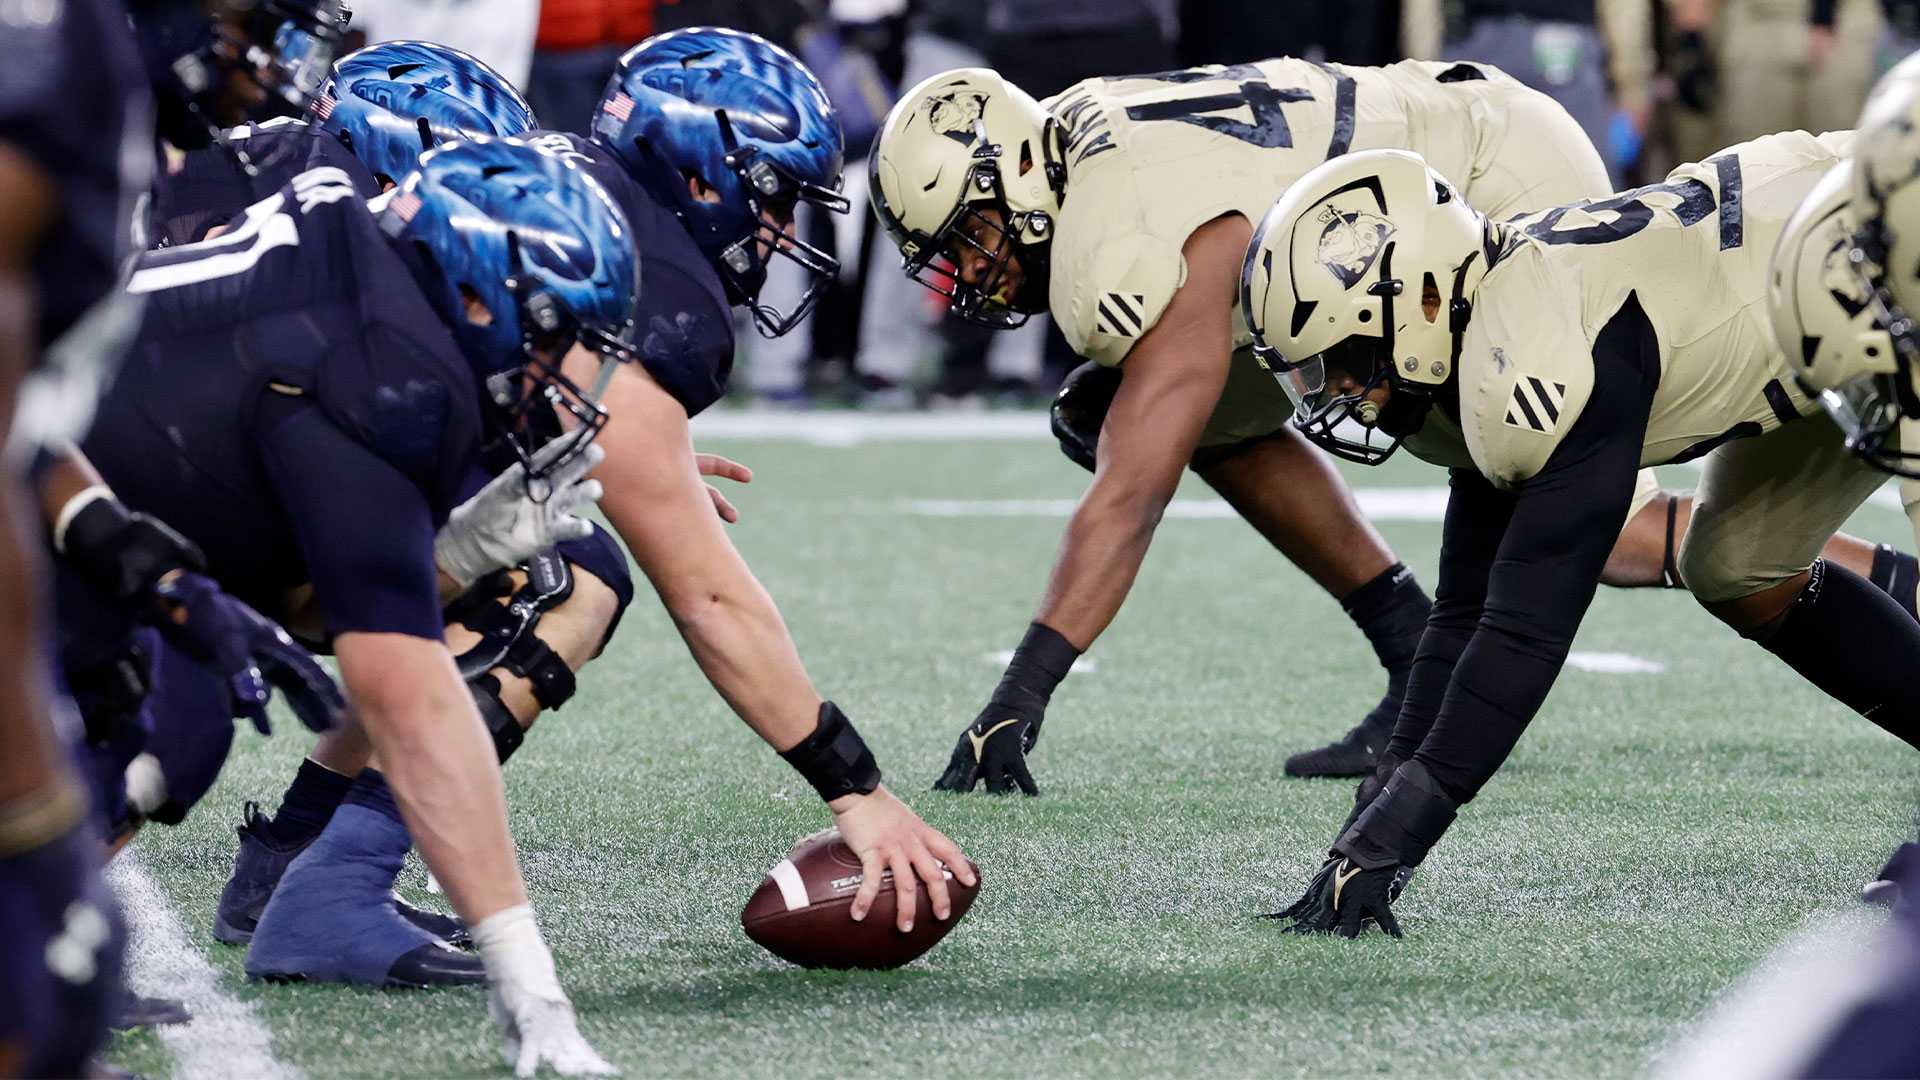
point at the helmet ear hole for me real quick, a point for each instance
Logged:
(426, 134)
(1429, 297)
(1026, 156)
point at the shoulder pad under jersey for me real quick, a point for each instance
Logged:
(1525, 368)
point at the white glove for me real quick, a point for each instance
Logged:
(537, 1025)
(502, 526)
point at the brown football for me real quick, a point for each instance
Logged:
(799, 912)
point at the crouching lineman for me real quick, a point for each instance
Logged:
(1562, 352)
(1125, 205)
(706, 139)
(1840, 315)
(305, 399)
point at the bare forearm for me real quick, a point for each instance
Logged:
(739, 640)
(1105, 543)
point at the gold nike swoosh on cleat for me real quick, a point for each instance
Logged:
(1340, 882)
(980, 741)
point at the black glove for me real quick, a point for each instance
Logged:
(994, 748)
(1309, 899)
(142, 563)
(1695, 82)
(1344, 897)
(251, 650)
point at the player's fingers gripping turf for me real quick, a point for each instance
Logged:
(906, 888)
(931, 872)
(963, 768)
(1300, 907)
(1010, 772)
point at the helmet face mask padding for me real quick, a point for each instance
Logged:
(1369, 255)
(962, 156)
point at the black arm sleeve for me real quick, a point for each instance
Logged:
(365, 529)
(1563, 526)
(1477, 515)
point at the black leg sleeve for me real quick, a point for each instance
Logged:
(1854, 642)
(1477, 518)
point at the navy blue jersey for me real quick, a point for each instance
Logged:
(295, 406)
(210, 187)
(685, 323)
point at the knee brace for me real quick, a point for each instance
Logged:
(1669, 568)
(502, 619)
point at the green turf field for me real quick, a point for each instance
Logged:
(1654, 835)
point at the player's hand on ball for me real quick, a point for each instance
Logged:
(994, 748)
(1344, 896)
(541, 1031)
(887, 835)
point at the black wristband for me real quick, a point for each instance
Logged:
(1402, 823)
(835, 759)
(1038, 665)
(125, 553)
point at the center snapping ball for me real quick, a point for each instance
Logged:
(799, 912)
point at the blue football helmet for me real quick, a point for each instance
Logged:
(541, 244)
(752, 123)
(216, 64)
(391, 102)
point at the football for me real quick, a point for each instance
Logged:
(799, 912)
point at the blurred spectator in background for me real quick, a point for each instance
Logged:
(497, 32)
(1899, 36)
(578, 44)
(1745, 68)
(1343, 31)
(1594, 57)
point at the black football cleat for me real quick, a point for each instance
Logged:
(258, 866)
(1352, 755)
(137, 1011)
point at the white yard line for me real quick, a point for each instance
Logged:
(1085, 665)
(1613, 663)
(845, 428)
(1379, 504)
(225, 1038)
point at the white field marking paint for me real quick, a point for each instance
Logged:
(1378, 504)
(1614, 663)
(839, 428)
(1084, 665)
(225, 1038)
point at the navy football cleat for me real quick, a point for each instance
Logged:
(333, 916)
(1886, 889)
(257, 868)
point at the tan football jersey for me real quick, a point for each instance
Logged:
(1694, 249)
(1151, 158)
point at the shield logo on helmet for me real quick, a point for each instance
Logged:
(955, 115)
(1350, 242)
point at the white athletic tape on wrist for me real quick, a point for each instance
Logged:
(516, 955)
